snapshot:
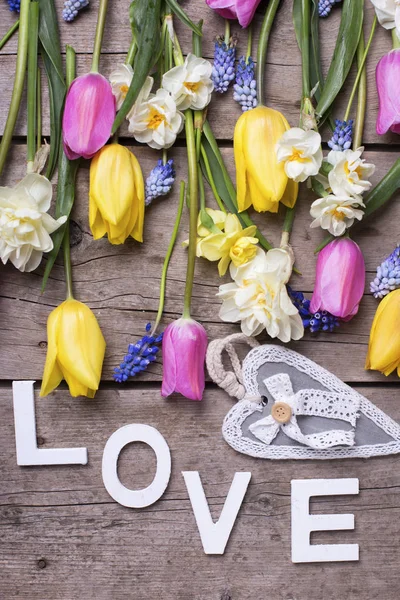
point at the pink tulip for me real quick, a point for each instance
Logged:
(242, 10)
(184, 350)
(340, 279)
(89, 114)
(387, 82)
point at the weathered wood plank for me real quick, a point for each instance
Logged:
(283, 69)
(69, 539)
(121, 283)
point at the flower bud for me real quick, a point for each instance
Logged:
(116, 195)
(75, 350)
(340, 279)
(88, 117)
(184, 350)
(261, 179)
(387, 78)
(384, 341)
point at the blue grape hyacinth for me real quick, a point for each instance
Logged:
(319, 321)
(245, 87)
(72, 7)
(140, 355)
(223, 72)
(387, 275)
(160, 180)
(342, 137)
(14, 5)
(325, 7)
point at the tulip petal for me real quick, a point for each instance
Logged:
(137, 231)
(88, 115)
(245, 11)
(387, 76)
(81, 345)
(52, 374)
(291, 193)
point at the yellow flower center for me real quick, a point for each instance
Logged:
(297, 155)
(338, 214)
(155, 119)
(192, 87)
(124, 90)
(358, 170)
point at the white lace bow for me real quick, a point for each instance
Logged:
(318, 403)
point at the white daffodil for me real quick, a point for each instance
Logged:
(258, 297)
(336, 213)
(25, 226)
(388, 13)
(350, 172)
(121, 79)
(301, 152)
(157, 121)
(190, 84)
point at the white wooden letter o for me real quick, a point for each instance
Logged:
(120, 438)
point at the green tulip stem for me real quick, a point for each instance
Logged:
(395, 39)
(130, 57)
(211, 179)
(362, 96)
(249, 42)
(67, 263)
(168, 257)
(32, 83)
(70, 76)
(362, 57)
(98, 40)
(39, 111)
(165, 156)
(22, 57)
(9, 34)
(262, 47)
(289, 219)
(305, 47)
(193, 209)
(227, 36)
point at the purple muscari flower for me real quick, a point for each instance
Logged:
(72, 7)
(140, 355)
(387, 275)
(325, 7)
(14, 5)
(245, 87)
(342, 137)
(319, 321)
(224, 65)
(160, 180)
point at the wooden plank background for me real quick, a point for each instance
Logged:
(62, 535)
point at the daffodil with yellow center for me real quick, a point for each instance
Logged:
(121, 79)
(261, 179)
(75, 350)
(300, 151)
(350, 174)
(233, 244)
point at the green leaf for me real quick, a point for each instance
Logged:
(207, 222)
(297, 20)
(145, 18)
(346, 46)
(316, 76)
(51, 54)
(67, 171)
(384, 190)
(180, 13)
(377, 197)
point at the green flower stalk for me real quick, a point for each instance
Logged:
(22, 58)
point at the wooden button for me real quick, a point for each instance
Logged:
(281, 412)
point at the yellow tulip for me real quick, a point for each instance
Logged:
(261, 180)
(116, 195)
(384, 341)
(75, 350)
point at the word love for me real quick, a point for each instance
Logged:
(214, 536)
